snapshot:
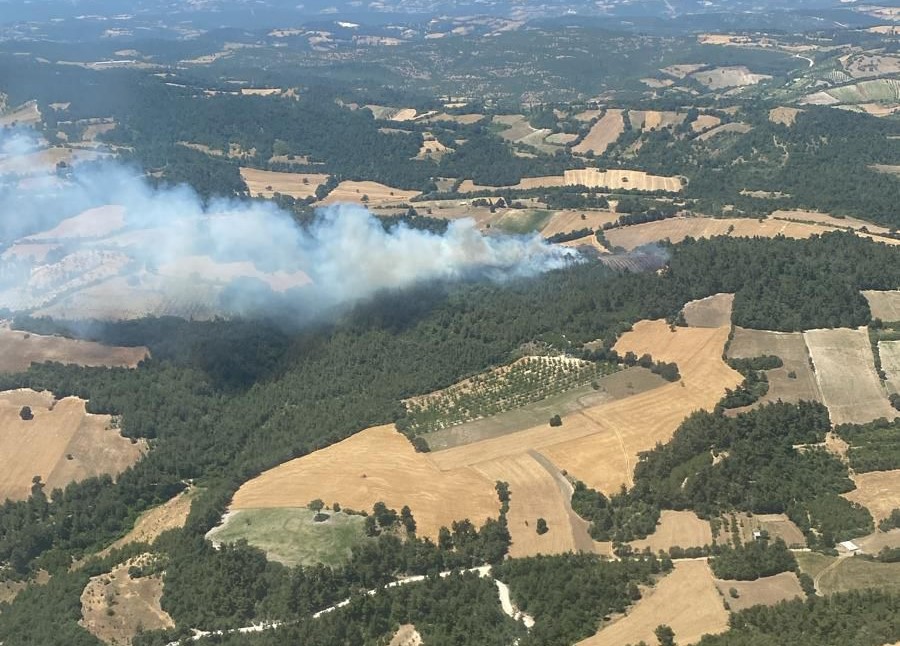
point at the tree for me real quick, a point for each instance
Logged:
(26, 413)
(665, 635)
(406, 517)
(556, 420)
(316, 505)
(542, 527)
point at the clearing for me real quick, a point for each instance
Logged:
(712, 311)
(766, 591)
(791, 348)
(62, 444)
(686, 599)
(150, 525)
(784, 115)
(603, 133)
(653, 119)
(889, 351)
(290, 535)
(705, 122)
(406, 635)
(538, 490)
(884, 305)
(777, 525)
(566, 221)
(720, 78)
(676, 528)
(371, 193)
(115, 607)
(845, 372)
(266, 183)
(377, 464)
(877, 491)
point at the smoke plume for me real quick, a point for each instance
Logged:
(147, 248)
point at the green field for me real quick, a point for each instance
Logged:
(851, 573)
(525, 221)
(290, 535)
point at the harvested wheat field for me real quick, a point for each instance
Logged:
(877, 491)
(878, 540)
(712, 311)
(889, 351)
(566, 221)
(705, 122)
(266, 183)
(538, 490)
(603, 133)
(376, 194)
(463, 119)
(599, 444)
(677, 229)
(61, 444)
(765, 591)
(93, 223)
(676, 528)
(18, 350)
(172, 514)
(884, 305)
(829, 220)
(653, 119)
(790, 347)
(720, 78)
(209, 269)
(377, 464)
(686, 599)
(845, 372)
(115, 607)
(621, 179)
(27, 114)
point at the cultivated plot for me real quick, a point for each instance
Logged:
(266, 183)
(712, 311)
(602, 134)
(877, 491)
(845, 372)
(884, 305)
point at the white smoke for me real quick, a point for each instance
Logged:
(345, 255)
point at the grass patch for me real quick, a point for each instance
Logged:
(290, 536)
(855, 573)
(523, 221)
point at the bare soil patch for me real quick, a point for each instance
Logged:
(790, 347)
(266, 183)
(602, 134)
(377, 464)
(681, 71)
(876, 541)
(712, 311)
(686, 599)
(18, 350)
(406, 635)
(705, 122)
(845, 372)
(765, 591)
(115, 606)
(877, 491)
(720, 78)
(884, 305)
(676, 528)
(61, 444)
